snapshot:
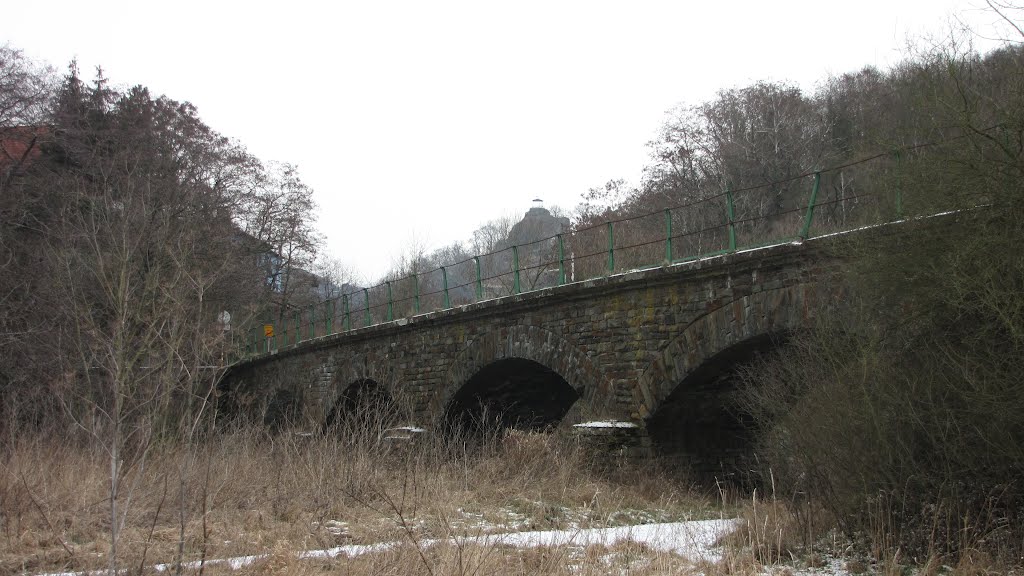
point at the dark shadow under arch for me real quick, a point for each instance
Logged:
(281, 410)
(510, 393)
(364, 406)
(682, 395)
(701, 426)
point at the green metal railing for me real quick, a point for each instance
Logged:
(737, 218)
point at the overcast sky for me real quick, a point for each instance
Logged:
(418, 121)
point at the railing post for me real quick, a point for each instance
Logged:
(391, 308)
(328, 317)
(668, 236)
(515, 270)
(416, 293)
(366, 296)
(730, 208)
(346, 320)
(806, 230)
(298, 327)
(611, 248)
(444, 279)
(899, 185)
(312, 321)
(479, 280)
(561, 260)
(283, 337)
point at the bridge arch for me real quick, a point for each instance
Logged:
(364, 406)
(757, 315)
(355, 380)
(682, 395)
(281, 409)
(531, 349)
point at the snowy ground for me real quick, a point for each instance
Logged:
(693, 540)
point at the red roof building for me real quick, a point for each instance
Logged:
(20, 145)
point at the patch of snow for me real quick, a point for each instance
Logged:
(694, 540)
(333, 527)
(349, 550)
(606, 424)
(402, 433)
(410, 429)
(760, 248)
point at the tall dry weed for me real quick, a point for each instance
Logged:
(246, 491)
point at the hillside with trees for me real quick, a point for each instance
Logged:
(129, 228)
(889, 430)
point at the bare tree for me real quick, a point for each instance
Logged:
(122, 250)
(25, 89)
(24, 97)
(333, 276)
(492, 235)
(278, 214)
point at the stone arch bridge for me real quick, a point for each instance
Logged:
(641, 358)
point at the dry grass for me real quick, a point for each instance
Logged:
(780, 536)
(775, 531)
(247, 493)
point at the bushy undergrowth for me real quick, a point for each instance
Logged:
(902, 412)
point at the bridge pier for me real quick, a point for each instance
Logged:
(614, 437)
